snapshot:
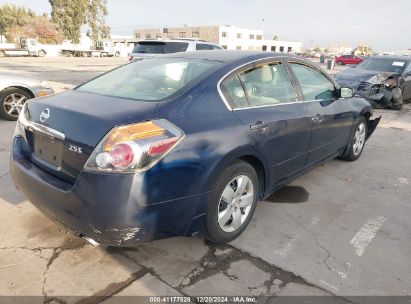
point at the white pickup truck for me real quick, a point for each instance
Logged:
(26, 47)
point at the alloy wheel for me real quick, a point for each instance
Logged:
(235, 203)
(13, 104)
(359, 139)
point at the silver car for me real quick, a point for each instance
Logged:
(153, 48)
(15, 90)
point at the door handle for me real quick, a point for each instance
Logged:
(258, 125)
(317, 118)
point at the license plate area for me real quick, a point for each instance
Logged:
(48, 149)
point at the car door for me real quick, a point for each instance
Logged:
(346, 59)
(351, 59)
(279, 126)
(357, 60)
(331, 117)
(407, 85)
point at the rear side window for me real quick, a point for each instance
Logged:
(150, 47)
(314, 85)
(159, 47)
(260, 86)
(234, 92)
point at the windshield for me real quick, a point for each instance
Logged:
(150, 79)
(158, 47)
(383, 65)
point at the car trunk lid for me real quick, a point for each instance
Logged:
(66, 128)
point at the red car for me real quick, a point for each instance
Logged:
(348, 59)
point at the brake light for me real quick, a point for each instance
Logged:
(162, 146)
(122, 156)
(135, 147)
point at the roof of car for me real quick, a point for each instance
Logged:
(228, 56)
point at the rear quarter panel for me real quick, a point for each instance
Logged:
(215, 138)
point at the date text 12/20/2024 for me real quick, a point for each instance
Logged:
(203, 299)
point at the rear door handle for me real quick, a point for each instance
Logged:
(258, 125)
(317, 118)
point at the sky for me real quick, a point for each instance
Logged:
(381, 24)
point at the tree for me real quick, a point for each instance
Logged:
(317, 50)
(12, 18)
(95, 18)
(71, 15)
(17, 22)
(42, 29)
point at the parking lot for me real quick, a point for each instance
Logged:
(342, 229)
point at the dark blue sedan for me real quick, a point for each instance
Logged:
(182, 145)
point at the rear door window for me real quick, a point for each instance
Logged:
(268, 85)
(314, 85)
(204, 47)
(260, 86)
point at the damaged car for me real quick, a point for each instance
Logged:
(385, 81)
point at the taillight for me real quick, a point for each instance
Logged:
(135, 147)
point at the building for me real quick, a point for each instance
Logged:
(228, 36)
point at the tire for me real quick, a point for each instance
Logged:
(340, 63)
(12, 98)
(233, 217)
(357, 142)
(2, 54)
(397, 99)
(41, 53)
(117, 54)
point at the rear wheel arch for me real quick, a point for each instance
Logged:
(262, 173)
(249, 156)
(29, 92)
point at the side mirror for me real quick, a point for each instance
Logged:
(346, 93)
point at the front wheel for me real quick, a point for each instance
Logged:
(232, 203)
(340, 63)
(357, 141)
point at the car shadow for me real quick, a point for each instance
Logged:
(289, 194)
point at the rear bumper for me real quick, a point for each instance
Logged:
(112, 209)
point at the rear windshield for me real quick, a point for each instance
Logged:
(383, 65)
(158, 47)
(150, 79)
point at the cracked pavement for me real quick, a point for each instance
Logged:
(298, 242)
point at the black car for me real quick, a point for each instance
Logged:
(385, 81)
